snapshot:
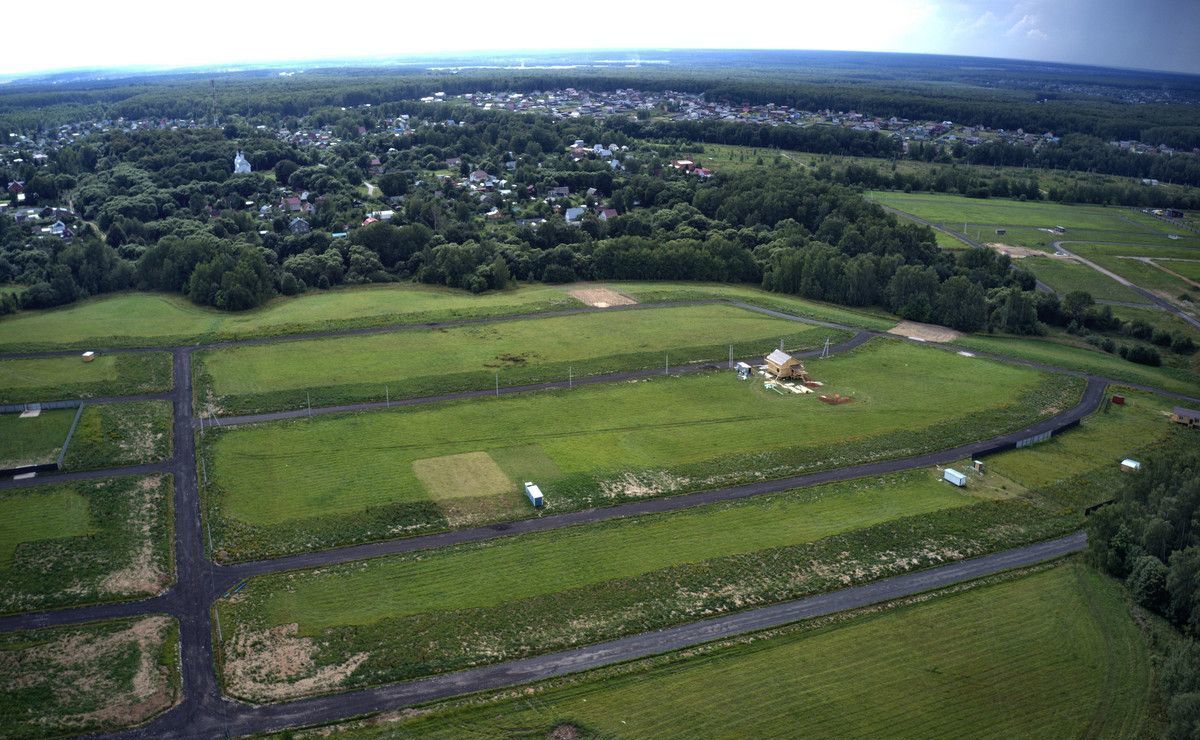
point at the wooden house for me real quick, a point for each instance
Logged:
(782, 365)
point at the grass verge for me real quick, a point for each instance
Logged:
(116, 434)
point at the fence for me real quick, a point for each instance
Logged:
(1027, 441)
(13, 408)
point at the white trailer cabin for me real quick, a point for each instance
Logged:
(534, 493)
(1129, 465)
(954, 477)
(744, 371)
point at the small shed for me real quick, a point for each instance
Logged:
(744, 371)
(89, 356)
(955, 477)
(782, 365)
(1186, 417)
(1118, 400)
(1129, 465)
(534, 493)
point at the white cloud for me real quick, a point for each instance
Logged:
(984, 21)
(1027, 26)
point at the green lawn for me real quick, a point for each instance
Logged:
(1087, 360)
(357, 368)
(1050, 654)
(94, 677)
(33, 440)
(1189, 268)
(289, 485)
(866, 318)
(450, 608)
(116, 434)
(984, 215)
(61, 378)
(78, 543)
(159, 319)
(1068, 275)
(486, 575)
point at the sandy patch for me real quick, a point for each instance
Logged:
(600, 297)
(924, 332)
(1019, 252)
(275, 664)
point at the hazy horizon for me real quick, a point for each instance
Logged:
(1149, 35)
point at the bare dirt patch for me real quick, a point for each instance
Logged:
(76, 669)
(926, 332)
(276, 664)
(601, 297)
(1019, 252)
(144, 574)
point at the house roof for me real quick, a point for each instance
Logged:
(1183, 413)
(779, 357)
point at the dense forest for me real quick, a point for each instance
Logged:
(1150, 538)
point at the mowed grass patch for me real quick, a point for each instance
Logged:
(93, 677)
(429, 362)
(61, 378)
(156, 319)
(610, 443)
(84, 542)
(449, 609)
(117, 434)
(35, 439)
(1053, 653)
(60, 513)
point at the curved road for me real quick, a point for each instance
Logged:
(203, 712)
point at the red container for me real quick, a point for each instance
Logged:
(1119, 400)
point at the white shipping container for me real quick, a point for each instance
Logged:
(534, 493)
(954, 477)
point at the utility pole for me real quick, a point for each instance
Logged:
(387, 396)
(497, 383)
(667, 364)
(731, 355)
(308, 397)
(570, 376)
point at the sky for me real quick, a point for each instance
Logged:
(1144, 34)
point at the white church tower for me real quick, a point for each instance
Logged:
(240, 165)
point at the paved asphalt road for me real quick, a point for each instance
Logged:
(204, 713)
(1152, 297)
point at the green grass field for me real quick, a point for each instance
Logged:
(78, 543)
(285, 486)
(1189, 268)
(147, 319)
(62, 378)
(1087, 360)
(1023, 219)
(94, 677)
(116, 434)
(157, 319)
(1096, 447)
(477, 603)
(33, 440)
(1054, 653)
(1068, 275)
(412, 363)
